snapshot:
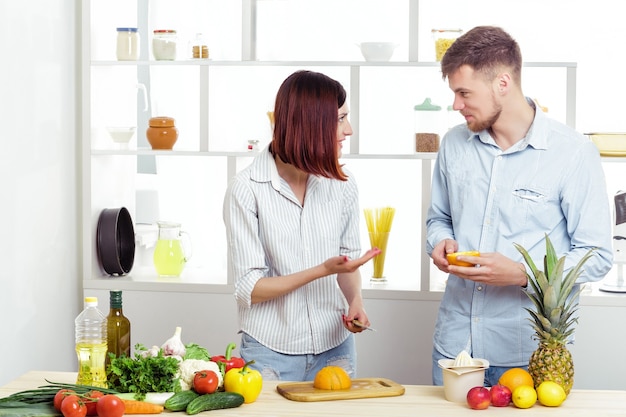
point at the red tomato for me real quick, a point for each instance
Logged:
(205, 382)
(73, 406)
(91, 401)
(60, 396)
(110, 406)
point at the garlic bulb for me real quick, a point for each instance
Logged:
(153, 352)
(174, 346)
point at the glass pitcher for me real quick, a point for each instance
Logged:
(170, 253)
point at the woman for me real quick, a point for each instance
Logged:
(292, 225)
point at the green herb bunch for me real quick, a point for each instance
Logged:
(143, 374)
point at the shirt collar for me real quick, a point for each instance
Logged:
(264, 169)
(537, 135)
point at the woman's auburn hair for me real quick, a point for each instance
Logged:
(306, 121)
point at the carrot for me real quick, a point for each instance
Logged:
(141, 407)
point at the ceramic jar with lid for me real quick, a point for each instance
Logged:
(162, 132)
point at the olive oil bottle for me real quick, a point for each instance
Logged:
(118, 328)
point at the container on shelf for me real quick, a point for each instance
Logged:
(164, 44)
(91, 344)
(253, 145)
(172, 251)
(453, 117)
(443, 39)
(199, 47)
(127, 44)
(162, 132)
(428, 123)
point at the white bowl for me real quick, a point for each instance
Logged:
(458, 380)
(121, 134)
(377, 51)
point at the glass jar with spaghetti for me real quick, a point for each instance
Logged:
(443, 39)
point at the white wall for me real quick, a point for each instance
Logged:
(39, 279)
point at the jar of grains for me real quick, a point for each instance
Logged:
(127, 44)
(164, 45)
(443, 39)
(428, 123)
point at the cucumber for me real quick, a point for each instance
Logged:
(180, 400)
(215, 401)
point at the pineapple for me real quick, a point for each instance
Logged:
(552, 317)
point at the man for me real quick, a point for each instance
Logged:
(509, 175)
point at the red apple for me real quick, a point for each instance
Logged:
(500, 395)
(478, 398)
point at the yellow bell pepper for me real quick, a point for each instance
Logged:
(244, 381)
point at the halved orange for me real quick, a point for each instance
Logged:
(332, 377)
(453, 261)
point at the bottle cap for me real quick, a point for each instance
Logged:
(91, 301)
(116, 298)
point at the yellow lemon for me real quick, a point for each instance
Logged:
(550, 394)
(524, 396)
(451, 257)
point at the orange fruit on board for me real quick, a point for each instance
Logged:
(453, 261)
(515, 377)
(332, 377)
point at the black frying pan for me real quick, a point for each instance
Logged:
(115, 241)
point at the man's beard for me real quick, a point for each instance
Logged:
(477, 126)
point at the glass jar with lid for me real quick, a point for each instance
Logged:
(199, 47)
(164, 44)
(428, 123)
(443, 39)
(127, 44)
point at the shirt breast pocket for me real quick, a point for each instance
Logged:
(534, 204)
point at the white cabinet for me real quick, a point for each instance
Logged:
(221, 104)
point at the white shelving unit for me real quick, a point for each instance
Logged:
(110, 176)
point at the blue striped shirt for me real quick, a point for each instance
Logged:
(269, 234)
(551, 182)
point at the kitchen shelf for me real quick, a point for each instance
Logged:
(113, 152)
(110, 175)
(256, 63)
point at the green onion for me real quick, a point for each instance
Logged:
(46, 393)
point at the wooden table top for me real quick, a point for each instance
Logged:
(418, 400)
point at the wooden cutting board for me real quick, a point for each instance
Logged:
(361, 388)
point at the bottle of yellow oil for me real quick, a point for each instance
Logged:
(91, 345)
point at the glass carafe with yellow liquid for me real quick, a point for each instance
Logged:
(171, 253)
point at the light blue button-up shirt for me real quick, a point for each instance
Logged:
(551, 182)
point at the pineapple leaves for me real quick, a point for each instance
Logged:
(527, 258)
(553, 317)
(550, 261)
(549, 299)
